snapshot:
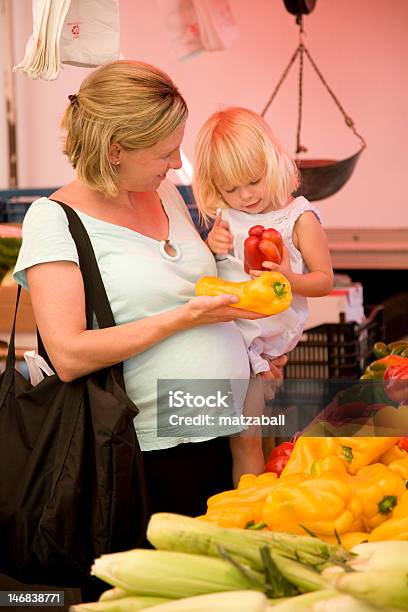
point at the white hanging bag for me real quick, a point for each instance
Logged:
(91, 33)
(216, 23)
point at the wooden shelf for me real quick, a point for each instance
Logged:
(381, 249)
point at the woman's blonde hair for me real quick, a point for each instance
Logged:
(125, 102)
(235, 147)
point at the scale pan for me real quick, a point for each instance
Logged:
(321, 178)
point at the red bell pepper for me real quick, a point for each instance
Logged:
(262, 244)
(403, 444)
(279, 457)
(396, 382)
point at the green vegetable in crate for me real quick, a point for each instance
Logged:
(380, 350)
(376, 369)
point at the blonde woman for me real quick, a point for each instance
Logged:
(242, 169)
(124, 128)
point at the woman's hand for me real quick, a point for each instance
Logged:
(219, 238)
(284, 267)
(208, 309)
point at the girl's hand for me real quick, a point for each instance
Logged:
(204, 310)
(276, 366)
(219, 237)
(284, 267)
(273, 378)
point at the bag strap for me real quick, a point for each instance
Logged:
(11, 354)
(96, 299)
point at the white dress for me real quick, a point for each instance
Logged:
(142, 280)
(277, 334)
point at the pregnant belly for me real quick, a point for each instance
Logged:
(205, 352)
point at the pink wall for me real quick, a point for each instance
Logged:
(360, 46)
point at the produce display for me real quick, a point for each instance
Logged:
(345, 490)
(262, 245)
(201, 567)
(267, 294)
(324, 528)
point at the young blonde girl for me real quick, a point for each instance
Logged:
(241, 169)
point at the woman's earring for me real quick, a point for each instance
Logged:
(117, 162)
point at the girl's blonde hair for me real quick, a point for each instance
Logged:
(235, 147)
(125, 102)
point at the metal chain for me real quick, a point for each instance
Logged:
(301, 50)
(283, 77)
(349, 121)
(299, 147)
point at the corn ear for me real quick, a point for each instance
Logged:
(237, 601)
(307, 601)
(384, 589)
(173, 575)
(388, 555)
(301, 576)
(115, 593)
(343, 603)
(176, 532)
(124, 604)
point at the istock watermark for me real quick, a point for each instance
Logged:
(334, 407)
(181, 399)
(209, 408)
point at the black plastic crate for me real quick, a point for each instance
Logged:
(337, 350)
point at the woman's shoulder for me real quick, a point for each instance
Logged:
(45, 210)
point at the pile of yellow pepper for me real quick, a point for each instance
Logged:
(339, 489)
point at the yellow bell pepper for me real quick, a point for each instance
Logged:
(306, 451)
(393, 454)
(267, 294)
(401, 511)
(396, 528)
(361, 451)
(400, 466)
(393, 529)
(322, 505)
(250, 489)
(379, 489)
(238, 507)
(250, 480)
(349, 539)
(234, 515)
(332, 463)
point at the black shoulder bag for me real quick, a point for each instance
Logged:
(71, 470)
